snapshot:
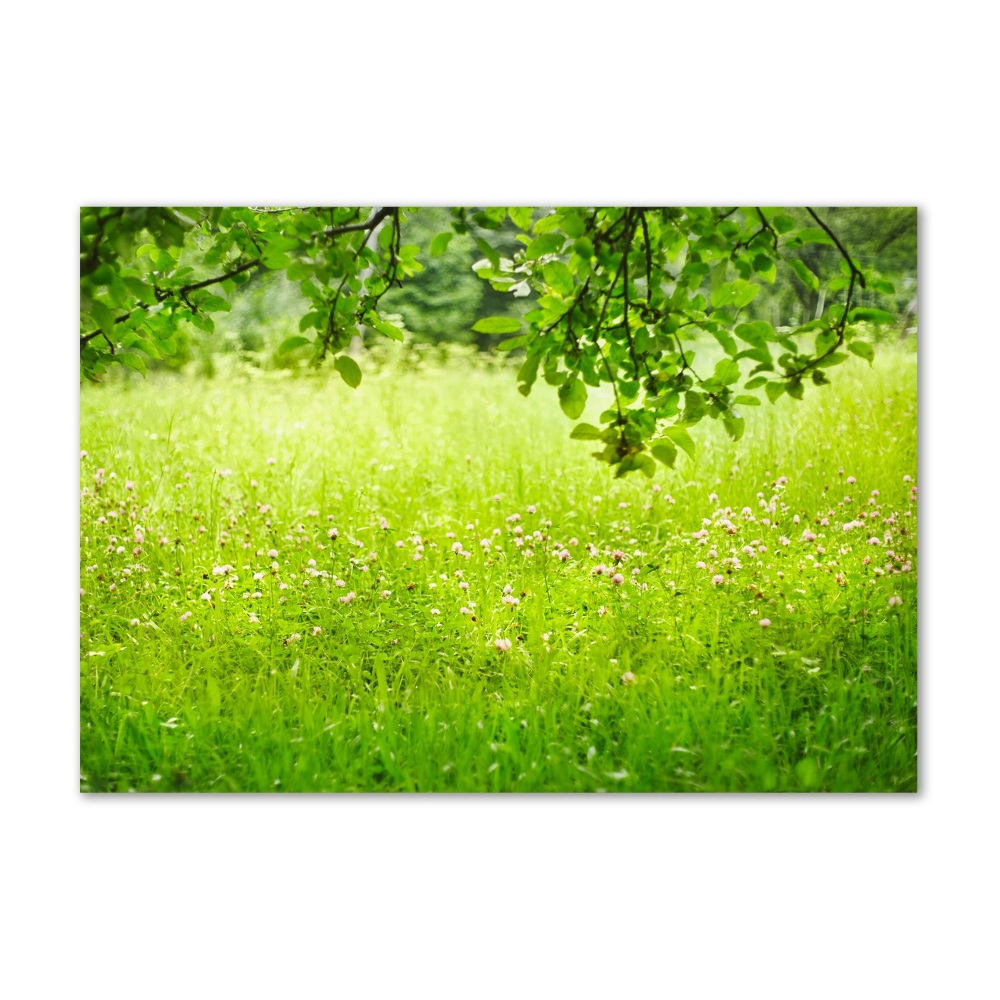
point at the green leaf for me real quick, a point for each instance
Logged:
(871, 316)
(586, 432)
(310, 319)
(806, 276)
(641, 462)
(862, 350)
(488, 252)
(734, 425)
(509, 345)
(680, 437)
(814, 236)
(573, 398)
(825, 339)
(349, 370)
(385, 328)
(291, 343)
(276, 261)
(665, 452)
(745, 400)
(774, 389)
(103, 316)
(545, 244)
(386, 235)
(795, 389)
(497, 324)
(737, 293)
(838, 357)
(133, 361)
(440, 243)
(783, 223)
(727, 372)
(727, 342)
(143, 292)
(558, 277)
(521, 217)
(214, 303)
(527, 373)
(572, 223)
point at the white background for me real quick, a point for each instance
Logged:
(523, 103)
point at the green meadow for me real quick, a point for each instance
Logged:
(425, 585)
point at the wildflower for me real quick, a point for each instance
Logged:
(185, 616)
(346, 598)
(718, 578)
(511, 600)
(894, 600)
(851, 480)
(333, 533)
(207, 596)
(135, 621)
(874, 540)
(253, 619)
(508, 589)
(463, 585)
(435, 611)
(465, 611)
(530, 508)
(385, 595)
(618, 579)
(602, 611)
(628, 677)
(271, 461)
(383, 524)
(764, 622)
(502, 645)
(129, 485)
(317, 630)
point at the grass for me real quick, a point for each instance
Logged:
(209, 664)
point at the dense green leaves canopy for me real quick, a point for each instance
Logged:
(620, 295)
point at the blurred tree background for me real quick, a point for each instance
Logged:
(439, 306)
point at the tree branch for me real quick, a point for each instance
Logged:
(182, 292)
(358, 227)
(855, 270)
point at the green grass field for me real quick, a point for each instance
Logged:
(424, 585)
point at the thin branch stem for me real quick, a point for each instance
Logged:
(357, 227)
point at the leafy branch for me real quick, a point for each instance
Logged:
(856, 277)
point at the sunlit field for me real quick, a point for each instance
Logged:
(424, 585)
